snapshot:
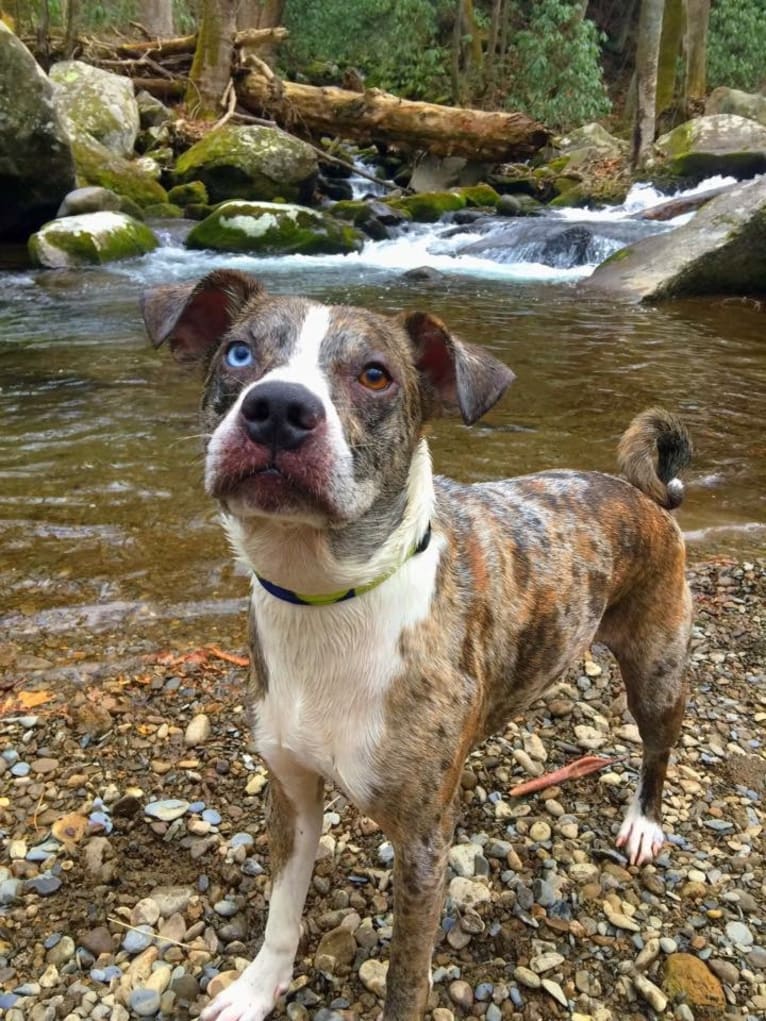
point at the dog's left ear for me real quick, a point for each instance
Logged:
(457, 376)
(193, 318)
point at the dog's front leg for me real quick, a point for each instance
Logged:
(420, 863)
(295, 823)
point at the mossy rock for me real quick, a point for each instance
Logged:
(95, 164)
(198, 211)
(163, 211)
(271, 228)
(90, 239)
(97, 103)
(429, 206)
(193, 193)
(716, 144)
(353, 210)
(478, 195)
(250, 163)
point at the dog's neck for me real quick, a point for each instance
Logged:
(313, 560)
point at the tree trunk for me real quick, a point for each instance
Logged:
(70, 31)
(697, 18)
(211, 68)
(156, 16)
(381, 117)
(647, 59)
(671, 44)
(260, 13)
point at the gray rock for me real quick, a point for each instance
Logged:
(743, 104)
(144, 1002)
(138, 939)
(739, 934)
(89, 200)
(722, 250)
(90, 239)
(168, 810)
(197, 731)
(97, 103)
(718, 144)
(36, 163)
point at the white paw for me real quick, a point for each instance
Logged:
(255, 993)
(641, 837)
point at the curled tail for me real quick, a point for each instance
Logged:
(653, 449)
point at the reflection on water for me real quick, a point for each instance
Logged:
(102, 516)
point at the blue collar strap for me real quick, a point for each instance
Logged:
(301, 599)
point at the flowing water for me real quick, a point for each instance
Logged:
(103, 523)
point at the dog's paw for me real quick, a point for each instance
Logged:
(641, 837)
(253, 996)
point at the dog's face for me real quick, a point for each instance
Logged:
(313, 412)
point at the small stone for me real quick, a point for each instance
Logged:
(336, 948)
(526, 977)
(172, 900)
(589, 737)
(535, 748)
(144, 1002)
(689, 979)
(98, 941)
(168, 810)
(725, 970)
(45, 885)
(137, 940)
(544, 962)
(442, 1014)
(62, 952)
(17, 850)
(461, 994)
(620, 920)
(668, 945)
(372, 975)
(739, 934)
(554, 989)
(540, 831)
(467, 893)
(221, 981)
(462, 859)
(186, 988)
(44, 765)
(650, 992)
(145, 912)
(197, 731)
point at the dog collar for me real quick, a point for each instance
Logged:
(302, 599)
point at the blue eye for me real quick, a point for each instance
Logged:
(238, 355)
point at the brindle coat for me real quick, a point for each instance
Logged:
(524, 575)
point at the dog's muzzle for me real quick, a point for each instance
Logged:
(281, 416)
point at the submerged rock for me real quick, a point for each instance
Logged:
(253, 163)
(273, 228)
(721, 251)
(90, 239)
(36, 165)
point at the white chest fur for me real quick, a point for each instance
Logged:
(330, 669)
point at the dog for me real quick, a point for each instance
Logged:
(397, 618)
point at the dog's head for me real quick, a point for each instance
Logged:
(312, 411)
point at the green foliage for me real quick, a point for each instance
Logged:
(552, 65)
(394, 43)
(736, 44)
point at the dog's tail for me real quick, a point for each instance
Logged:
(653, 449)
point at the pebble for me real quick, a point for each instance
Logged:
(137, 940)
(544, 962)
(168, 810)
(653, 995)
(462, 858)
(198, 730)
(554, 989)
(372, 974)
(467, 893)
(739, 934)
(527, 977)
(461, 994)
(144, 1002)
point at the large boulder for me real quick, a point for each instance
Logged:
(97, 103)
(743, 104)
(722, 143)
(252, 163)
(722, 250)
(36, 166)
(273, 228)
(90, 239)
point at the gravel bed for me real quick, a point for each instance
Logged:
(134, 875)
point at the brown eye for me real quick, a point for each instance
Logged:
(374, 377)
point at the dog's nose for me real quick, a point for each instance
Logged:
(281, 415)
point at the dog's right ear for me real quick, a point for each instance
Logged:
(193, 318)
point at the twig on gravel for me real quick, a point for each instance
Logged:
(580, 767)
(158, 937)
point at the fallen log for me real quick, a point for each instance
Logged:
(249, 38)
(378, 116)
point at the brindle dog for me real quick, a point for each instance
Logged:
(397, 619)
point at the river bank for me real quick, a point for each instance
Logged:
(91, 930)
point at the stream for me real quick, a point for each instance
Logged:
(104, 528)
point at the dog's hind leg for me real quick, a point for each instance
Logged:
(295, 823)
(649, 638)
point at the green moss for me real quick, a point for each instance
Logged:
(90, 239)
(186, 194)
(478, 195)
(271, 229)
(353, 210)
(699, 165)
(95, 164)
(163, 211)
(428, 207)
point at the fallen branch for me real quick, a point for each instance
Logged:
(580, 767)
